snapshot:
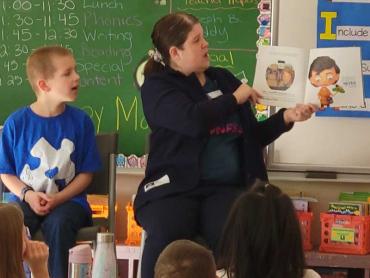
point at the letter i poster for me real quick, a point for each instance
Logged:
(344, 23)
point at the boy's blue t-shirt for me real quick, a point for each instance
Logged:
(46, 153)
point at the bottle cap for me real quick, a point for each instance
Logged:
(80, 254)
(105, 237)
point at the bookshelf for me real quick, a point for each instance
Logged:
(319, 259)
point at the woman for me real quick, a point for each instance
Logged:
(262, 237)
(206, 146)
(16, 247)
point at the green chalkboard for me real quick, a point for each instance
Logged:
(110, 40)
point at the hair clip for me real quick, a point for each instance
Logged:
(156, 55)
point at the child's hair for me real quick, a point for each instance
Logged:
(40, 63)
(11, 241)
(322, 63)
(262, 236)
(170, 30)
(185, 259)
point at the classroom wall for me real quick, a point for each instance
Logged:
(338, 144)
(320, 143)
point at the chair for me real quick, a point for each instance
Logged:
(103, 183)
(2, 190)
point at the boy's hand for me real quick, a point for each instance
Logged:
(38, 202)
(36, 255)
(53, 202)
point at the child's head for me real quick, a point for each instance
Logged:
(185, 259)
(323, 72)
(48, 64)
(262, 236)
(11, 241)
(171, 31)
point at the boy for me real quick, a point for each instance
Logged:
(185, 259)
(323, 73)
(48, 153)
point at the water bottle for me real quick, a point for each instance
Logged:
(80, 261)
(105, 261)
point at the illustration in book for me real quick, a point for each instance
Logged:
(328, 77)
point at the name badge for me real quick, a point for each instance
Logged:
(214, 94)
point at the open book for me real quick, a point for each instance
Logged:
(328, 77)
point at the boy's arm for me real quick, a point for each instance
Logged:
(13, 183)
(76, 186)
(36, 200)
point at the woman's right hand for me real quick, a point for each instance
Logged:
(245, 93)
(36, 255)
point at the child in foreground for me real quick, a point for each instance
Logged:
(262, 237)
(185, 259)
(16, 247)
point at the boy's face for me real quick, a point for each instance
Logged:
(325, 78)
(63, 84)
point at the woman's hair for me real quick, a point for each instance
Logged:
(262, 236)
(170, 30)
(11, 241)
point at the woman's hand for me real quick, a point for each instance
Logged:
(299, 113)
(245, 93)
(36, 255)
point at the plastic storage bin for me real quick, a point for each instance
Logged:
(99, 205)
(305, 219)
(345, 234)
(133, 229)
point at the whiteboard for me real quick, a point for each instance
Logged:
(332, 144)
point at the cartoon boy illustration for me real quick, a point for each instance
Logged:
(323, 73)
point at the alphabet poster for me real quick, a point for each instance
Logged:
(342, 23)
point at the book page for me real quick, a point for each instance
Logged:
(335, 77)
(280, 75)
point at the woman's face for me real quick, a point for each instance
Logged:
(193, 56)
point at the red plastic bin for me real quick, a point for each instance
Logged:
(345, 234)
(305, 219)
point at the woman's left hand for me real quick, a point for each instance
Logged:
(299, 113)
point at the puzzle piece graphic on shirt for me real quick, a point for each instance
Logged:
(54, 165)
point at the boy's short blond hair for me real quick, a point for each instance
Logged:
(185, 259)
(40, 63)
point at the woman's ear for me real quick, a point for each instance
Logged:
(174, 53)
